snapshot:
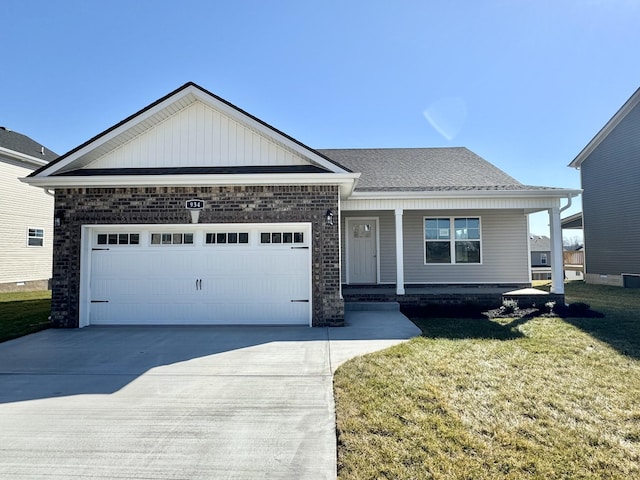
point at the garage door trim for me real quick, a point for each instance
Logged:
(89, 234)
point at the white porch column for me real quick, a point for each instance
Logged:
(399, 253)
(557, 267)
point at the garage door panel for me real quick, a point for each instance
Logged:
(201, 284)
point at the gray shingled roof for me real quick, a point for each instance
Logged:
(21, 143)
(423, 169)
(540, 243)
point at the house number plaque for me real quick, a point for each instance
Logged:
(195, 204)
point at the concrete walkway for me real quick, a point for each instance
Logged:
(179, 402)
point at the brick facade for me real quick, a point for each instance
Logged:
(166, 205)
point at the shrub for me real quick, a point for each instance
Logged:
(509, 306)
(550, 306)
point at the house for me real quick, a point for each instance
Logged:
(26, 215)
(540, 247)
(194, 211)
(610, 176)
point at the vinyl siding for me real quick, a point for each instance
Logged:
(611, 201)
(23, 207)
(198, 136)
(504, 248)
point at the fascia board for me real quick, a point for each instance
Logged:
(346, 181)
(606, 130)
(23, 157)
(558, 193)
(110, 135)
(209, 99)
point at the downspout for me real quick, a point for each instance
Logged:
(568, 204)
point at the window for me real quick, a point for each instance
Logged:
(35, 237)
(172, 239)
(281, 237)
(226, 238)
(446, 245)
(118, 239)
(543, 259)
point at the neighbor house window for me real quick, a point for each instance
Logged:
(543, 259)
(452, 240)
(35, 237)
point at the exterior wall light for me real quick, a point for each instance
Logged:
(328, 217)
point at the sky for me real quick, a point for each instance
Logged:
(524, 84)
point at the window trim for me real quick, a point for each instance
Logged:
(35, 237)
(452, 240)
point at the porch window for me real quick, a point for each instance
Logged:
(462, 244)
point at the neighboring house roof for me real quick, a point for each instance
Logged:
(573, 221)
(424, 169)
(540, 243)
(21, 147)
(607, 129)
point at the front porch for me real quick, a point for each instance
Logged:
(474, 297)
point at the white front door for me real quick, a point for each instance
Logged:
(362, 239)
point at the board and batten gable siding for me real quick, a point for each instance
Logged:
(22, 207)
(387, 246)
(610, 178)
(198, 136)
(504, 249)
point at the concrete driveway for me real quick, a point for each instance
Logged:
(179, 402)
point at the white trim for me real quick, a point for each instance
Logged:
(29, 237)
(346, 181)
(528, 204)
(22, 157)
(604, 132)
(555, 193)
(346, 244)
(557, 263)
(399, 251)
(182, 99)
(452, 239)
(88, 232)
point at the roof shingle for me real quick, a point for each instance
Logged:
(423, 169)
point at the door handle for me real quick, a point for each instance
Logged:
(200, 283)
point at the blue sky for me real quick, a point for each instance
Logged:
(525, 84)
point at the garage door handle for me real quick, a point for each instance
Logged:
(300, 301)
(198, 284)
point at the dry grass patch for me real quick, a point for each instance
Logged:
(544, 398)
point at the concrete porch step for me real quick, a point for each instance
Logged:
(372, 306)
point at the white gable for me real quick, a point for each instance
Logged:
(199, 136)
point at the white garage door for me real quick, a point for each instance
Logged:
(194, 274)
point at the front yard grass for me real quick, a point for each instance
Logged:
(22, 313)
(539, 398)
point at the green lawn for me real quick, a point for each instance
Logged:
(23, 313)
(541, 398)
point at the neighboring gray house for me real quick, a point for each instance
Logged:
(610, 174)
(540, 257)
(194, 211)
(26, 215)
